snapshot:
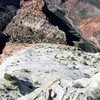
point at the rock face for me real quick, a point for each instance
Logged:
(31, 26)
(7, 11)
(82, 19)
(61, 21)
(50, 72)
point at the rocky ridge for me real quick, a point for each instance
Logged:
(57, 22)
(30, 26)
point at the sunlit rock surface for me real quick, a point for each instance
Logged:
(70, 72)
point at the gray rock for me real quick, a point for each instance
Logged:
(57, 70)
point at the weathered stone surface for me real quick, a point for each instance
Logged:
(30, 25)
(58, 71)
(57, 91)
(82, 17)
(78, 19)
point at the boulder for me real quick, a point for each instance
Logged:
(80, 18)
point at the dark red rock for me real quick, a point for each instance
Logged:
(82, 17)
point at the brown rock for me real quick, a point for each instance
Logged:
(30, 25)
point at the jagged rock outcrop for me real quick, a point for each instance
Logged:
(71, 73)
(58, 90)
(82, 19)
(30, 25)
(52, 71)
(78, 19)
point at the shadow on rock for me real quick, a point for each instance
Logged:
(25, 87)
(3, 39)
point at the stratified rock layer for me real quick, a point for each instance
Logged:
(83, 19)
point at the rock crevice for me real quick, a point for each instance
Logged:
(57, 21)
